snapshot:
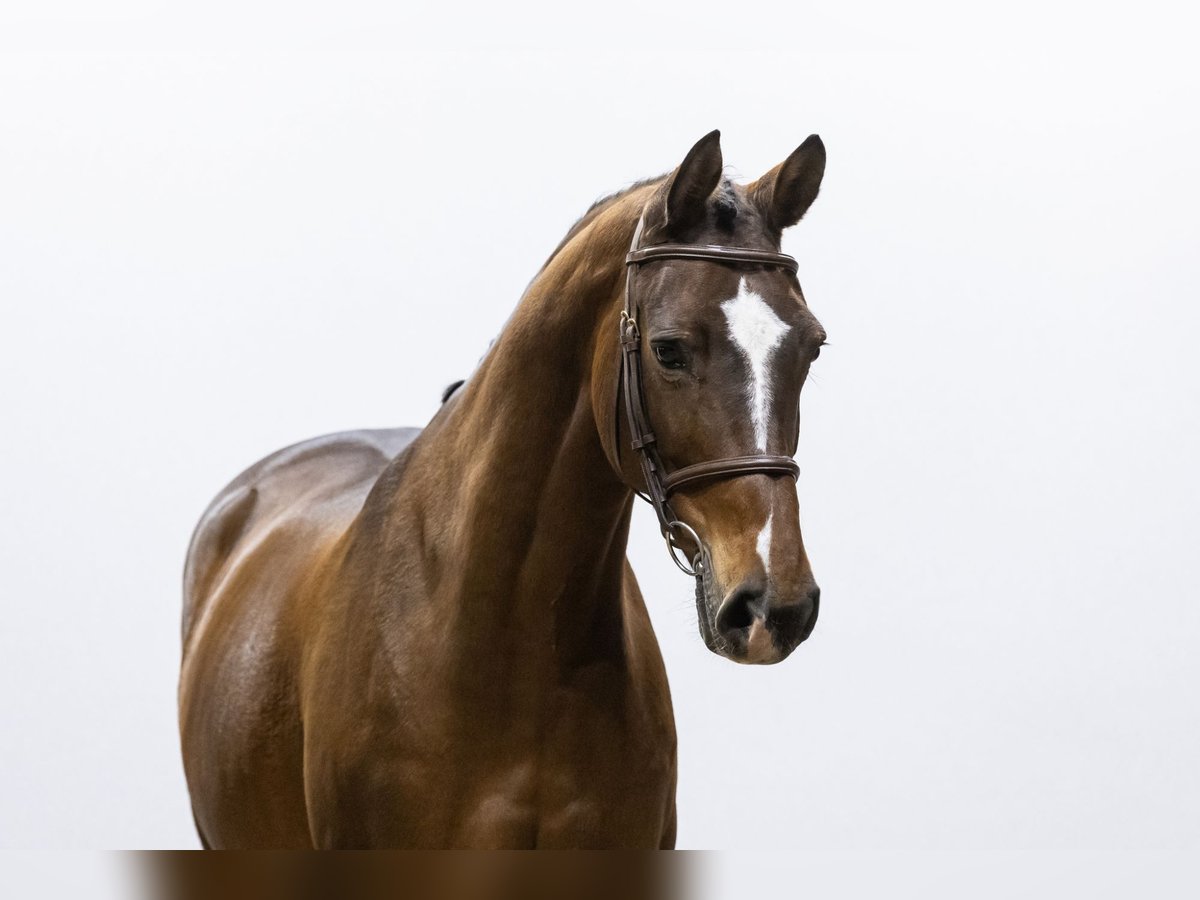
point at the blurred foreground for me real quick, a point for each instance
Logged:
(414, 875)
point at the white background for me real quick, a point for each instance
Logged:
(224, 232)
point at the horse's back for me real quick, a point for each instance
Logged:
(323, 480)
(253, 558)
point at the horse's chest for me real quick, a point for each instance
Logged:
(586, 775)
(585, 784)
(614, 793)
(478, 758)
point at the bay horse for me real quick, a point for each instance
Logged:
(432, 638)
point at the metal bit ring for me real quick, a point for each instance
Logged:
(674, 549)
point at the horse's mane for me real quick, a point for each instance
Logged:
(598, 207)
(725, 204)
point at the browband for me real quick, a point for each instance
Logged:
(712, 251)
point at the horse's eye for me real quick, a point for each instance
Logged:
(669, 356)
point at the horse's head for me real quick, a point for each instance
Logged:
(725, 350)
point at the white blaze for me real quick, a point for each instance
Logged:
(756, 331)
(763, 544)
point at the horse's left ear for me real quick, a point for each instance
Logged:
(786, 192)
(692, 183)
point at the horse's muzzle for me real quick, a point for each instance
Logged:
(753, 626)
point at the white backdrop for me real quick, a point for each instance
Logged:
(221, 235)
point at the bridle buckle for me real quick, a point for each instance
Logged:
(631, 336)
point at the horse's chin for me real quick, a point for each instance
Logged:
(757, 651)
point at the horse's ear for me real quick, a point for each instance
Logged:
(786, 192)
(693, 183)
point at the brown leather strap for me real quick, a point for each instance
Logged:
(641, 436)
(726, 468)
(711, 251)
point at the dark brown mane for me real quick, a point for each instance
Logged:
(598, 207)
(725, 204)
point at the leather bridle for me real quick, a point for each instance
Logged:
(660, 483)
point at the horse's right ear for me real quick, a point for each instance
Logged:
(786, 192)
(692, 184)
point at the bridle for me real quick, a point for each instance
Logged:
(660, 483)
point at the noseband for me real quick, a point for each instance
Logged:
(660, 483)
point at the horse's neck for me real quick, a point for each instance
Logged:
(525, 521)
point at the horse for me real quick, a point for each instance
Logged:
(432, 638)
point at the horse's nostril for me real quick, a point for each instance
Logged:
(740, 610)
(734, 616)
(788, 619)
